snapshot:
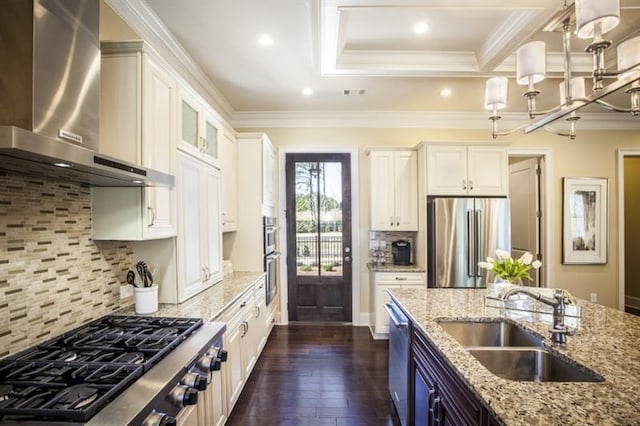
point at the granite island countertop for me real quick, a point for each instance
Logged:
(606, 342)
(208, 304)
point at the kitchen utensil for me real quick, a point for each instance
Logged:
(141, 273)
(149, 275)
(131, 279)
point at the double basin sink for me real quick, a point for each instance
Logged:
(513, 353)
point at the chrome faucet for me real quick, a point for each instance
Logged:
(559, 331)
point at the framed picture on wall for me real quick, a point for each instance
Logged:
(585, 220)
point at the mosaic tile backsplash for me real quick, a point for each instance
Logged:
(389, 237)
(53, 276)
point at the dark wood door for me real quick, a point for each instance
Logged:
(319, 237)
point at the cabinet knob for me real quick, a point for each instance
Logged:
(470, 184)
(397, 220)
(390, 220)
(464, 184)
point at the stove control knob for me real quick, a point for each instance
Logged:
(209, 362)
(182, 396)
(219, 353)
(222, 355)
(194, 380)
(157, 418)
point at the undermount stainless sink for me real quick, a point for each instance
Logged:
(532, 365)
(490, 333)
(513, 353)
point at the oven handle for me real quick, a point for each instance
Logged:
(273, 256)
(394, 317)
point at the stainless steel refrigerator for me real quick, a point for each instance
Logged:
(460, 233)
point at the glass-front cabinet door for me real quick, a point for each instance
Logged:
(210, 138)
(198, 128)
(189, 129)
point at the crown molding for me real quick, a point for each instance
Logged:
(143, 20)
(412, 119)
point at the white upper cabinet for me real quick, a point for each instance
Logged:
(138, 125)
(394, 190)
(228, 169)
(198, 127)
(257, 177)
(269, 164)
(467, 170)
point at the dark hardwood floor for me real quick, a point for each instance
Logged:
(318, 375)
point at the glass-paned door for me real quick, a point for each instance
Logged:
(319, 237)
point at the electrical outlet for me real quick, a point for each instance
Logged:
(126, 291)
(594, 297)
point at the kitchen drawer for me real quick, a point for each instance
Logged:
(403, 278)
(237, 312)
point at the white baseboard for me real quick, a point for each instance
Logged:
(363, 319)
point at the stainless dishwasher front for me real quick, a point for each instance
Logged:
(398, 360)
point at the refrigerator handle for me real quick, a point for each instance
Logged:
(478, 242)
(470, 271)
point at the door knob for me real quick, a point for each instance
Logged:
(347, 259)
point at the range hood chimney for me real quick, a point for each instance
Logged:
(49, 95)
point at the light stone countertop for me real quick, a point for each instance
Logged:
(607, 342)
(390, 267)
(210, 303)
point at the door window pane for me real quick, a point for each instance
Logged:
(318, 218)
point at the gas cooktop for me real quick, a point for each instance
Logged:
(73, 376)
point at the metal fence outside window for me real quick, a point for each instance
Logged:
(307, 249)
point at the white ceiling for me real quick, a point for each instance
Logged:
(333, 45)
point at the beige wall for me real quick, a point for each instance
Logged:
(593, 153)
(632, 225)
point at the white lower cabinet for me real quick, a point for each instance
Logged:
(380, 282)
(247, 332)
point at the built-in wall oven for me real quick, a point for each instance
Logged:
(271, 256)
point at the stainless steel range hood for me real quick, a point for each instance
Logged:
(49, 95)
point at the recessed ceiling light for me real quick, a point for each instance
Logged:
(307, 91)
(265, 40)
(63, 165)
(445, 92)
(420, 28)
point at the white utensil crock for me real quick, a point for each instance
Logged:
(146, 299)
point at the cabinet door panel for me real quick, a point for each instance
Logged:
(446, 170)
(382, 184)
(190, 201)
(488, 171)
(233, 367)
(228, 167)
(212, 215)
(406, 190)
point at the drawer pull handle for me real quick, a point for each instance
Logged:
(401, 278)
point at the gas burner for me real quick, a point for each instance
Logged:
(67, 356)
(5, 392)
(114, 331)
(131, 358)
(165, 332)
(75, 397)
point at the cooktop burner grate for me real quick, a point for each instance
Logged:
(73, 376)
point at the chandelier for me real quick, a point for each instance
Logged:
(591, 19)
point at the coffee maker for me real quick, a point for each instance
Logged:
(401, 250)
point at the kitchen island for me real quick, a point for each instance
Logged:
(606, 342)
